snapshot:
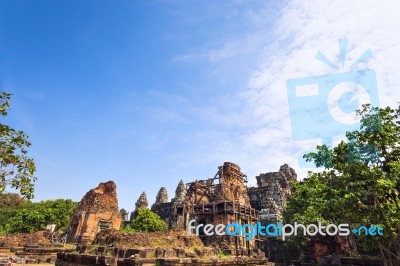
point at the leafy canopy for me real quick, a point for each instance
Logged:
(360, 184)
(16, 168)
(146, 221)
(28, 217)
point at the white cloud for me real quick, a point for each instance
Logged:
(303, 29)
(251, 125)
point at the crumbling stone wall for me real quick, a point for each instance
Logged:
(97, 210)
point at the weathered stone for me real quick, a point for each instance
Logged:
(115, 252)
(142, 202)
(272, 193)
(232, 185)
(100, 250)
(97, 210)
(121, 253)
(162, 196)
(169, 253)
(61, 256)
(130, 252)
(180, 253)
(180, 193)
(147, 254)
(105, 260)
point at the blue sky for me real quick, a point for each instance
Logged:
(146, 93)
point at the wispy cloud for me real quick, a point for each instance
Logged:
(260, 116)
(303, 29)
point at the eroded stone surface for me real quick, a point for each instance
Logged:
(142, 202)
(272, 193)
(97, 210)
(180, 193)
(162, 196)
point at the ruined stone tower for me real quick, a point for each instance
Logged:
(222, 199)
(180, 193)
(162, 196)
(97, 210)
(142, 202)
(272, 191)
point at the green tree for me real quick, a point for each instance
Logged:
(16, 168)
(10, 205)
(148, 221)
(36, 216)
(360, 183)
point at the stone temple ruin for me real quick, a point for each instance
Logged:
(222, 199)
(97, 210)
(225, 199)
(272, 191)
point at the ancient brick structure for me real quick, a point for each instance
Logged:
(272, 191)
(97, 210)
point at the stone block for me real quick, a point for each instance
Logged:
(115, 252)
(169, 253)
(158, 252)
(189, 254)
(121, 253)
(83, 249)
(335, 261)
(180, 253)
(70, 257)
(129, 262)
(89, 259)
(228, 252)
(100, 250)
(148, 253)
(61, 256)
(130, 252)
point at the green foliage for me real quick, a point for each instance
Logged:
(360, 184)
(16, 168)
(222, 254)
(126, 228)
(29, 217)
(148, 221)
